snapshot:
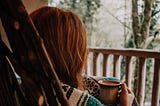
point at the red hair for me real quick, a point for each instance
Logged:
(65, 39)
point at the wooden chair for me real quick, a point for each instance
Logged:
(29, 59)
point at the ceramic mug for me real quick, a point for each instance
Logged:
(109, 91)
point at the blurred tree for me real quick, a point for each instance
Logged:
(144, 21)
(145, 16)
(141, 23)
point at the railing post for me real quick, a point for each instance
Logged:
(95, 56)
(128, 71)
(105, 65)
(141, 80)
(156, 82)
(116, 66)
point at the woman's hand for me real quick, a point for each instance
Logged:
(126, 96)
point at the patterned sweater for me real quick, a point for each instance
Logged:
(89, 97)
(79, 98)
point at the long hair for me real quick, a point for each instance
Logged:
(65, 39)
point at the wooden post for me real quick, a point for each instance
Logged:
(156, 82)
(141, 80)
(95, 56)
(105, 65)
(128, 71)
(116, 66)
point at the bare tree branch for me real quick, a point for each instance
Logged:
(117, 18)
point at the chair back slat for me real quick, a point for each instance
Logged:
(30, 52)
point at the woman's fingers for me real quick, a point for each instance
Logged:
(126, 96)
(130, 91)
(124, 88)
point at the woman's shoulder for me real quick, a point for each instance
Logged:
(91, 86)
(79, 98)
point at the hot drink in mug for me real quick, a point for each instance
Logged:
(109, 91)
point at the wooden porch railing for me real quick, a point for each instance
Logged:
(141, 55)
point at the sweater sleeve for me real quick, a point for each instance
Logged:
(77, 97)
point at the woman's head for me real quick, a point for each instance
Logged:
(65, 40)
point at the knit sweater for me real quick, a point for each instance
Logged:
(77, 97)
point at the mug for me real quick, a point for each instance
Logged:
(109, 91)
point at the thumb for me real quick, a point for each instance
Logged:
(124, 88)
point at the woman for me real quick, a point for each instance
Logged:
(65, 39)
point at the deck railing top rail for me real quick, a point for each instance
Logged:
(128, 52)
